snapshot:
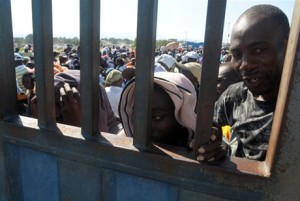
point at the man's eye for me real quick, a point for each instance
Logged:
(157, 118)
(259, 50)
(236, 54)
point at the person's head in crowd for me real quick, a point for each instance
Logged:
(18, 59)
(131, 64)
(192, 71)
(132, 54)
(167, 62)
(128, 74)
(259, 57)
(173, 103)
(26, 48)
(28, 81)
(17, 49)
(114, 78)
(26, 60)
(120, 62)
(227, 75)
(30, 64)
(163, 50)
(76, 63)
(63, 59)
(191, 56)
(133, 60)
(178, 57)
(124, 55)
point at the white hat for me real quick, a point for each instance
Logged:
(166, 59)
(162, 48)
(192, 55)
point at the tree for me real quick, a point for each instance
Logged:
(29, 39)
(160, 43)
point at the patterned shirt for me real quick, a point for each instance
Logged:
(250, 121)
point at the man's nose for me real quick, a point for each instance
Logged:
(247, 63)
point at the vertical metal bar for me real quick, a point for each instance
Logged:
(89, 64)
(291, 61)
(146, 37)
(8, 99)
(43, 57)
(8, 84)
(211, 61)
(4, 189)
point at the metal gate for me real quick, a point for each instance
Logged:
(43, 160)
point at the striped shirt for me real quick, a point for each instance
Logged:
(20, 71)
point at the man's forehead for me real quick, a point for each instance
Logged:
(253, 31)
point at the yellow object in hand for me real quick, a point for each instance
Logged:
(226, 132)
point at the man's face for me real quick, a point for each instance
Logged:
(258, 53)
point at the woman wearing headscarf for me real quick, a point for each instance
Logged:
(173, 102)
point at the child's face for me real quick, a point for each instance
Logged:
(163, 119)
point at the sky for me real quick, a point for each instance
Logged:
(180, 19)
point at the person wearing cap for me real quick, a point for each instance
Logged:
(173, 101)
(113, 88)
(166, 61)
(191, 56)
(192, 71)
(131, 64)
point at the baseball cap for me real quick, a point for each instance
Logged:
(194, 67)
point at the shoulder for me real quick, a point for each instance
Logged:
(235, 92)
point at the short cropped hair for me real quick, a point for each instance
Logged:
(269, 11)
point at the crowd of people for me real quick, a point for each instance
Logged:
(248, 82)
